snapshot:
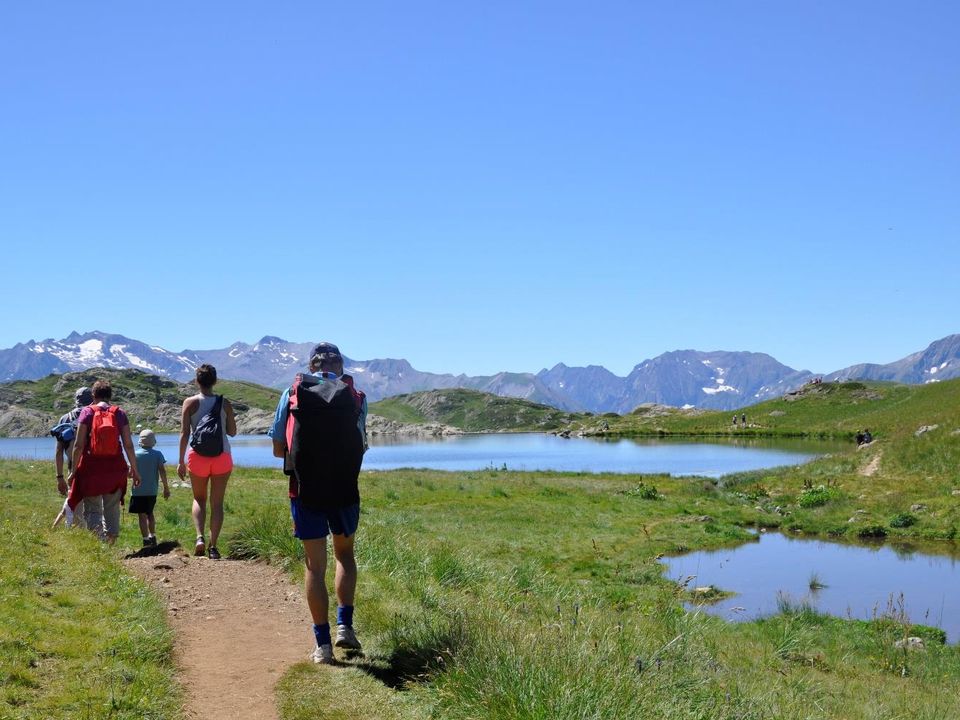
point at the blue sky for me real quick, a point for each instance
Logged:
(487, 186)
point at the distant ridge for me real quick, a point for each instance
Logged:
(718, 380)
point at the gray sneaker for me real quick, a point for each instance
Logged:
(346, 638)
(323, 655)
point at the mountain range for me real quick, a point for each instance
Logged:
(717, 380)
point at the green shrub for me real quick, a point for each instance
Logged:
(643, 491)
(903, 520)
(872, 531)
(816, 496)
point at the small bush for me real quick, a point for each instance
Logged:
(816, 496)
(756, 492)
(872, 531)
(903, 520)
(643, 491)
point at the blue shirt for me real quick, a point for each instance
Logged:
(278, 431)
(149, 462)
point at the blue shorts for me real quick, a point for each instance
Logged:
(315, 524)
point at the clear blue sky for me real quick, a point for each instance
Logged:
(485, 186)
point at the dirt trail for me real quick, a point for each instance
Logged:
(239, 625)
(870, 469)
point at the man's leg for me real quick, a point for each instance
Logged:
(315, 557)
(345, 583)
(144, 522)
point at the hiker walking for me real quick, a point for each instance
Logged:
(150, 463)
(65, 432)
(320, 432)
(206, 420)
(99, 475)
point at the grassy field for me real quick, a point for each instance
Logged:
(79, 637)
(498, 594)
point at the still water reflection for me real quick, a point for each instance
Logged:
(860, 581)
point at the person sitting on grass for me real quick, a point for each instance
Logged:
(143, 499)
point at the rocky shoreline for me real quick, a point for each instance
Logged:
(18, 422)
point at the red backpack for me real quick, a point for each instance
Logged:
(104, 432)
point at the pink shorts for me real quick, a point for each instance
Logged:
(203, 467)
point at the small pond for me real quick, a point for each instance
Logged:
(520, 451)
(860, 581)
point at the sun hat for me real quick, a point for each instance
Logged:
(147, 438)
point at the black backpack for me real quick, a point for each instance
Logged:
(207, 437)
(326, 449)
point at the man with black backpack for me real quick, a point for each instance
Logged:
(320, 432)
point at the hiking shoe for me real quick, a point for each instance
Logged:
(201, 547)
(346, 638)
(214, 553)
(150, 541)
(323, 655)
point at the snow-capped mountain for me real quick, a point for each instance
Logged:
(32, 360)
(717, 380)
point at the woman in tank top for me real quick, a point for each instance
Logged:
(208, 473)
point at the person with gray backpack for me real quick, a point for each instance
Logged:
(65, 432)
(206, 422)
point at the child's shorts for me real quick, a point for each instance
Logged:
(142, 503)
(201, 466)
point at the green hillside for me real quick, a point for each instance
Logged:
(31, 407)
(824, 410)
(472, 411)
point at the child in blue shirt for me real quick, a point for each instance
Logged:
(144, 497)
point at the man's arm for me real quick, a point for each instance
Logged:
(278, 431)
(58, 461)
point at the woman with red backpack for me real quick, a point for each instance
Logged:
(99, 475)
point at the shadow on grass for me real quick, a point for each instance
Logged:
(401, 669)
(162, 548)
(416, 659)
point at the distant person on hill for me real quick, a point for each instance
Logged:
(320, 432)
(743, 420)
(144, 498)
(65, 432)
(734, 419)
(860, 437)
(99, 475)
(867, 437)
(205, 422)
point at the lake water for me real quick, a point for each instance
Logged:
(518, 451)
(861, 581)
